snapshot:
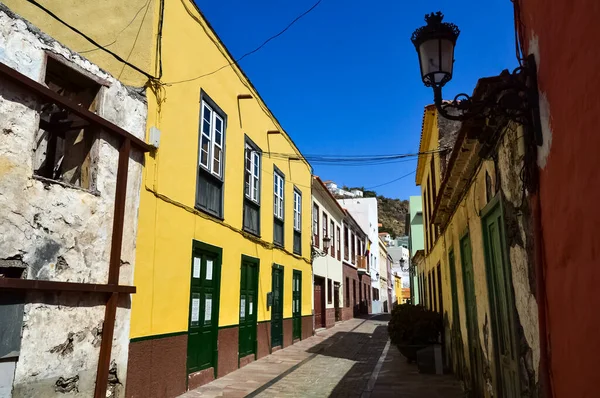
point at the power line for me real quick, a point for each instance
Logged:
(89, 39)
(253, 51)
(118, 34)
(357, 160)
(137, 36)
(392, 181)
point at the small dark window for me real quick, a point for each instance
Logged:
(325, 226)
(278, 207)
(329, 291)
(211, 152)
(64, 144)
(332, 236)
(346, 244)
(353, 244)
(252, 175)
(347, 292)
(316, 239)
(338, 245)
(297, 222)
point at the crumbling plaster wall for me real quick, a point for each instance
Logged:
(60, 233)
(504, 171)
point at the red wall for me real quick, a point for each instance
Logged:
(568, 33)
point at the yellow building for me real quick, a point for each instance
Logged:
(398, 289)
(476, 233)
(223, 267)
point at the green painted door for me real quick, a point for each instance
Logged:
(248, 300)
(471, 310)
(501, 304)
(455, 333)
(453, 285)
(204, 308)
(277, 308)
(297, 305)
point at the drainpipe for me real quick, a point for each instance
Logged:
(538, 243)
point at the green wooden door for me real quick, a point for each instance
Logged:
(277, 308)
(248, 300)
(204, 308)
(471, 310)
(455, 332)
(453, 285)
(501, 305)
(297, 305)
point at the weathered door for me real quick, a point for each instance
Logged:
(319, 290)
(336, 301)
(501, 304)
(204, 308)
(277, 308)
(455, 332)
(248, 299)
(471, 310)
(297, 305)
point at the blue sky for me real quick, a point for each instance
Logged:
(345, 78)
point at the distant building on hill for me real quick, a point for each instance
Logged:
(334, 189)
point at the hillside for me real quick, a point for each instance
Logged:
(392, 213)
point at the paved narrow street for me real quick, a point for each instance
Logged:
(352, 359)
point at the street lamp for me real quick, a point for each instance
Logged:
(326, 246)
(514, 96)
(435, 45)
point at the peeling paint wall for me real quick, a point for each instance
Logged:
(504, 171)
(563, 36)
(63, 233)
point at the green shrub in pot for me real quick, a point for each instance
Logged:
(413, 327)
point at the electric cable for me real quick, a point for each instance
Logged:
(89, 39)
(120, 32)
(137, 36)
(252, 51)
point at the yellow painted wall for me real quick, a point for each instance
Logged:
(167, 230)
(111, 23)
(466, 218)
(398, 288)
(167, 220)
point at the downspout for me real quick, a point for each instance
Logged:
(538, 243)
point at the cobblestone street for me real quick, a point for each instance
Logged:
(352, 359)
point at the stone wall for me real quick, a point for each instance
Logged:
(53, 231)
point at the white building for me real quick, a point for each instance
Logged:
(334, 189)
(400, 263)
(328, 218)
(364, 211)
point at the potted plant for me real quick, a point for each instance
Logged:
(414, 327)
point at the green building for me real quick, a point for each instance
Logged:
(415, 242)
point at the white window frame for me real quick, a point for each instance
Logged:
(278, 195)
(214, 146)
(297, 211)
(252, 187)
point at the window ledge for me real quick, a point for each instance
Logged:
(251, 232)
(47, 181)
(210, 214)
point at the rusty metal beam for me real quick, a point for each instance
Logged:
(55, 286)
(110, 310)
(44, 92)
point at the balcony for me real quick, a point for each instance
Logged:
(361, 264)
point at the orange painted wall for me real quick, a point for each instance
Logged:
(564, 36)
